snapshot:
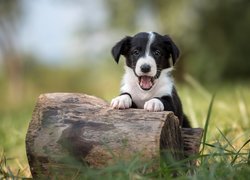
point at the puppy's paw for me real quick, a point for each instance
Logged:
(121, 102)
(154, 105)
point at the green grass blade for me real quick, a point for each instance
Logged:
(224, 149)
(224, 154)
(238, 152)
(248, 158)
(207, 123)
(228, 142)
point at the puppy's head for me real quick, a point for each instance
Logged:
(147, 54)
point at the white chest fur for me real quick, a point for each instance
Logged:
(163, 86)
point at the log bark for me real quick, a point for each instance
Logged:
(68, 129)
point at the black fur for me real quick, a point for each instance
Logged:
(174, 104)
(132, 48)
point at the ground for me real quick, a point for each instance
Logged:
(228, 130)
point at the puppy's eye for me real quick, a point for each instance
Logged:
(157, 53)
(135, 52)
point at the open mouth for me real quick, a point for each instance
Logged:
(146, 82)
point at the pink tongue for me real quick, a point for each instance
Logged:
(145, 82)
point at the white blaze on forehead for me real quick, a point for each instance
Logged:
(151, 38)
(147, 59)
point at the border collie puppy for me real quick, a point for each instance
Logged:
(147, 82)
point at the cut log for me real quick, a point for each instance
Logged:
(68, 129)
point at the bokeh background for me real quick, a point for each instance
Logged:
(64, 46)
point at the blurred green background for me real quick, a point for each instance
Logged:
(64, 46)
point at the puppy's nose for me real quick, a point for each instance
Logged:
(145, 68)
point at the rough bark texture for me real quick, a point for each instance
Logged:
(68, 129)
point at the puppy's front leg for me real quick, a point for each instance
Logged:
(154, 105)
(124, 101)
(164, 103)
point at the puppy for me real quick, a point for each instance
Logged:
(147, 82)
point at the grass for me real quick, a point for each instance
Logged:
(224, 153)
(12, 148)
(7, 172)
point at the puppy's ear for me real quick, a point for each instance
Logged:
(174, 51)
(121, 48)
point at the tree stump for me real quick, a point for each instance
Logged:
(68, 129)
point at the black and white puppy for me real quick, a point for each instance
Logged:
(147, 82)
